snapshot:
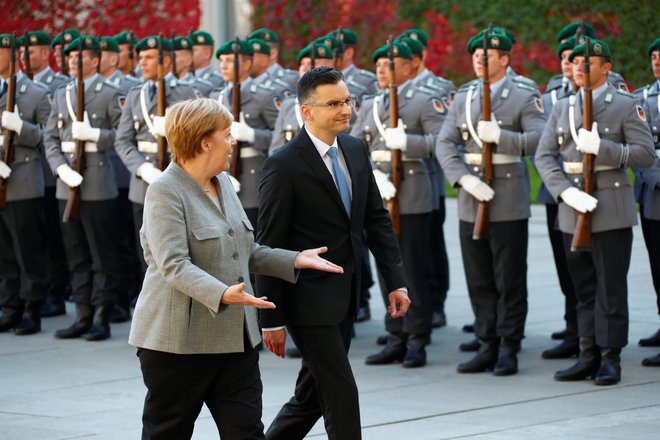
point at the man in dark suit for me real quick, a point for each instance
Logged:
(319, 188)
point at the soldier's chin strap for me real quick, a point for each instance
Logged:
(299, 118)
(69, 105)
(143, 105)
(571, 117)
(468, 117)
(377, 121)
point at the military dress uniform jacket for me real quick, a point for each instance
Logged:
(203, 86)
(649, 178)
(519, 113)
(423, 115)
(362, 77)
(135, 145)
(625, 141)
(260, 106)
(27, 177)
(213, 76)
(288, 76)
(288, 124)
(102, 104)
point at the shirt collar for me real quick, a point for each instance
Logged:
(40, 75)
(494, 87)
(321, 146)
(89, 81)
(261, 78)
(272, 70)
(595, 93)
(200, 72)
(347, 70)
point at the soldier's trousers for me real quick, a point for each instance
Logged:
(92, 252)
(138, 212)
(651, 231)
(23, 258)
(496, 275)
(414, 240)
(58, 271)
(439, 280)
(600, 279)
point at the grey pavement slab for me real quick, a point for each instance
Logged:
(56, 390)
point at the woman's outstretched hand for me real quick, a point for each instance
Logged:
(236, 294)
(309, 259)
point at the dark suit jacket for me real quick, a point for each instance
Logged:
(300, 208)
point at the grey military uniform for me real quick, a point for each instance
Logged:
(260, 106)
(283, 88)
(362, 77)
(203, 86)
(649, 191)
(288, 76)
(288, 124)
(102, 104)
(213, 76)
(135, 145)
(521, 79)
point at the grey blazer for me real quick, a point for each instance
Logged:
(194, 253)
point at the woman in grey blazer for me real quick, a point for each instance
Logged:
(195, 322)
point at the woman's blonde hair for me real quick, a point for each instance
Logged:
(188, 122)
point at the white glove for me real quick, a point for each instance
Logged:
(5, 171)
(589, 141)
(395, 138)
(241, 131)
(148, 172)
(83, 131)
(476, 187)
(158, 129)
(12, 120)
(578, 200)
(69, 176)
(489, 131)
(385, 186)
(235, 183)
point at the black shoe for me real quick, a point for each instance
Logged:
(82, 324)
(415, 357)
(363, 314)
(438, 320)
(506, 365)
(100, 329)
(651, 341)
(468, 328)
(587, 365)
(51, 307)
(567, 348)
(478, 364)
(558, 336)
(609, 372)
(292, 352)
(10, 318)
(653, 361)
(381, 340)
(394, 351)
(31, 322)
(469, 346)
(120, 314)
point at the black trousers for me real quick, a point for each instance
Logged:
(23, 260)
(138, 212)
(414, 238)
(92, 252)
(131, 282)
(179, 384)
(439, 280)
(58, 272)
(325, 385)
(565, 282)
(496, 274)
(600, 279)
(651, 231)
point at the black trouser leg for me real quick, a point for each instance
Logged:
(59, 277)
(138, 211)
(439, 280)
(651, 232)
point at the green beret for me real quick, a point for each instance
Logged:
(654, 46)
(571, 29)
(320, 51)
(495, 41)
(65, 37)
(151, 42)
(332, 42)
(182, 43)
(126, 38)
(259, 46)
(244, 48)
(37, 38)
(568, 44)
(399, 48)
(500, 31)
(264, 34)
(202, 38)
(416, 34)
(5, 41)
(89, 42)
(109, 44)
(597, 48)
(346, 36)
(415, 46)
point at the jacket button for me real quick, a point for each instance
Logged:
(230, 232)
(241, 279)
(576, 180)
(476, 169)
(235, 256)
(617, 184)
(508, 175)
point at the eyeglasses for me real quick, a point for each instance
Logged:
(336, 105)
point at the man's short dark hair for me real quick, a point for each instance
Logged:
(317, 77)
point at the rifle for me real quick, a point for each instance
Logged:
(582, 236)
(26, 57)
(393, 205)
(72, 209)
(64, 69)
(131, 55)
(191, 69)
(161, 160)
(336, 54)
(9, 135)
(483, 210)
(173, 54)
(313, 54)
(236, 111)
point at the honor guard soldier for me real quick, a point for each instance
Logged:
(254, 129)
(201, 59)
(618, 138)
(140, 128)
(422, 76)
(496, 263)
(420, 118)
(351, 72)
(182, 47)
(275, 70)
(91, 241)
(259, 70)
(59, 43)
(648, 190)
(59, 285)
(23, 262)
(127, 61)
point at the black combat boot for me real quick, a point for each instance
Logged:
(100, 329)
(484, 360)
(567, 348)
(587, 364)
(415, 352)
(609, 372)
(10, 318)
(80, 326)
(507, 359)
(394, 350)
(472, 345)
(31, 321)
